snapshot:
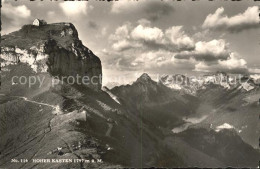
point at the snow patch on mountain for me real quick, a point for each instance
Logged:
(255, 76)
(225, 85)
(195, 120)
(224, 126)
(247, 86)
(210, 79)
(189, 122)
(190, 85)
(174, 86)
(114, 97)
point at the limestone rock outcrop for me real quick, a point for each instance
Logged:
(53, 48)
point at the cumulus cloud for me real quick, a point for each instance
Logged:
(146, 47)
(117, 60)
(121, 38)
(148, 37)
(162, 62)
(142, 46)
(178, 37)
(119, 6)
(147, 33)
(214, 56)
(16, 11)
(13, 17)
(72, 8)
(220, 21)
(149, 9)
(123, 45)
(207, 51)
(122, 32)
(233, 64)
(254, 70)
(16, 14)
(154, 57)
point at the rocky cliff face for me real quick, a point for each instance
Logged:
(53, 48)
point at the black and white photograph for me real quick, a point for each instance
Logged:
(129, 84)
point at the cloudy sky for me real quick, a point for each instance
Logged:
(157, 37)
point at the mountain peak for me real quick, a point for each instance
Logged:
(54, 48)
(144, 78)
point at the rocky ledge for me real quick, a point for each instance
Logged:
(53, 48)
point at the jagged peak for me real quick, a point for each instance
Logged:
(144, 78)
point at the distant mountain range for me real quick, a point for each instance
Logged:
(194, 84)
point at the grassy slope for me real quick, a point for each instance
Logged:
(226, 146)
(155, 103)
(30, 35)
(236, 107)
(132, 143)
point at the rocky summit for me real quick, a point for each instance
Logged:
(53, 48)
